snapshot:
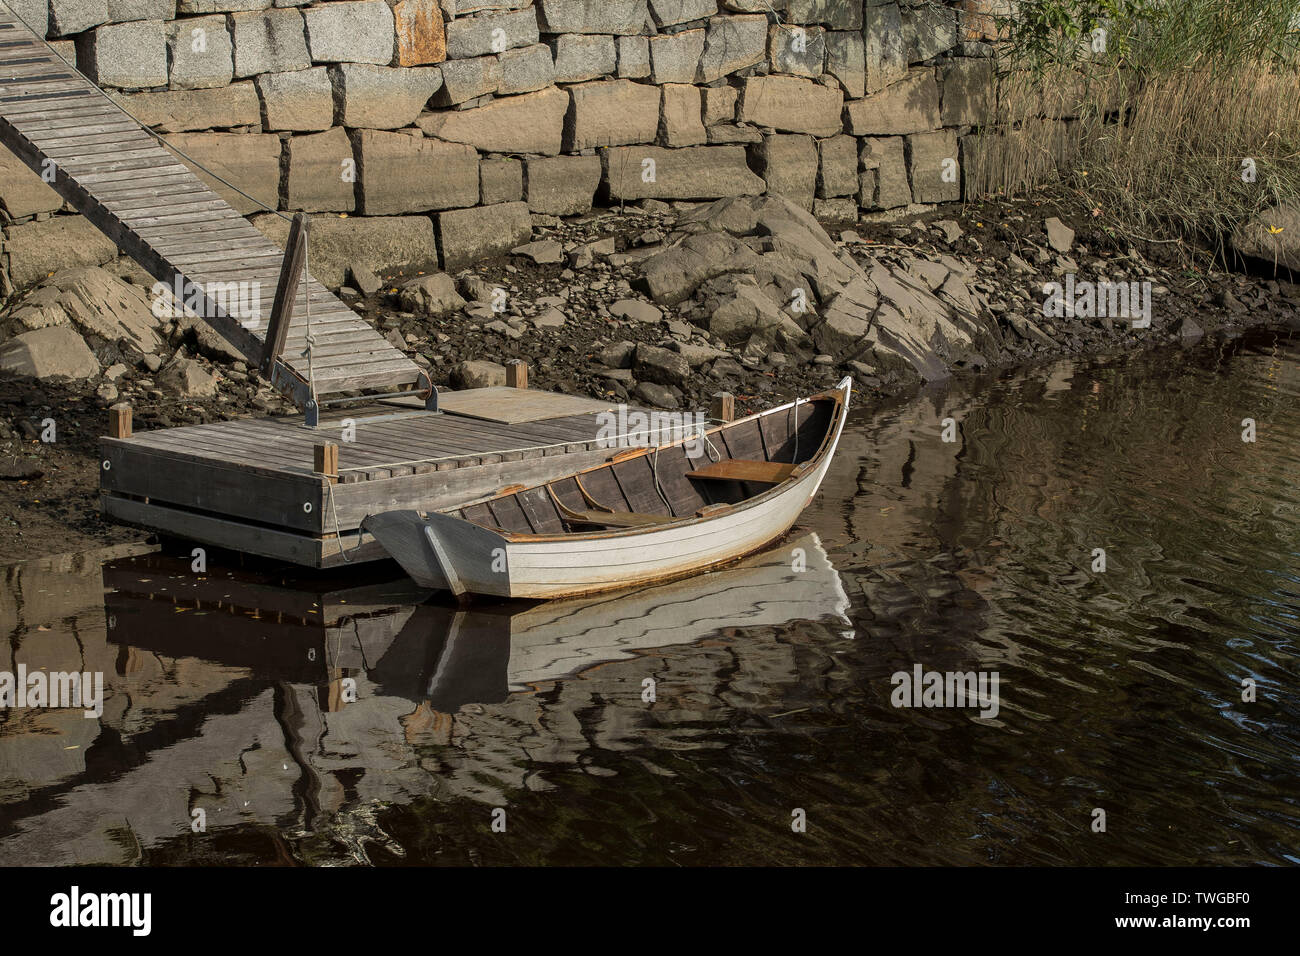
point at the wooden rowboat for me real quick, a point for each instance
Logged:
(648, 514)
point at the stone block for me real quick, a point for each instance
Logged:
(465, 80)
(720, 104)
(501, 180)
(797, 50)
(466, 236)
(697, 172)
(421, 32)
(884, 174)
(909, 106)
(530, 123)
(298, 101)
(380, 244)
(176, 111)
(792, 105)
(968, 92)
(732, 44)
(611, 113)
(682, 123)
(22, 192)
(200, 52)
(886, 51)
(36, 13)
(846, 59)
(928, 31)
(526, 70)
(836, 14)
(581, 56)
(668, 13)
(618, 17)
(837, 173)
(129, 56)
(400, 173)
(379, 97)
(269, 41)
(675, 58)
(322, 173)
(67, 17)
(491, 33)
(932, 161)
(788, 164)
(562, 185)
(351, 32)
(250, 161)
(34, 250)
(634, 57)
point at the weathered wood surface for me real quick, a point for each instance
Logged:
(182, 233)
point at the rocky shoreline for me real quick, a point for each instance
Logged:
(659, 304)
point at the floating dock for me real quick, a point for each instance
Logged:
(260, 486)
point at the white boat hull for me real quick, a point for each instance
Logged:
(441, 551)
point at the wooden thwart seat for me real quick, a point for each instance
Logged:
(615, 519)
(745, 469)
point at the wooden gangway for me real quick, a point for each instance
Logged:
(115, 173)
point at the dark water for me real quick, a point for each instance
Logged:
(1121, 690)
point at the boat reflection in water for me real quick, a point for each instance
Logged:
(447, 657)
(290, 712)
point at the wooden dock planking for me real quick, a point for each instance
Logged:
(250, 484)
(143, 197)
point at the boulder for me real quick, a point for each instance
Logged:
(96, 304)
(1272, 237)
(188, 379)
(47, 353)
(672, 276)
(430, 295)
(635, 310)
(660, 366)
(1059, 236)
(36, 250)
(478, 374)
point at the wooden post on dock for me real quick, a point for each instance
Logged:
(723, 407)
(326, 461)
(119, 420)
(517, 373)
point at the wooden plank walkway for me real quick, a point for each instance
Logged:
(146, 200)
